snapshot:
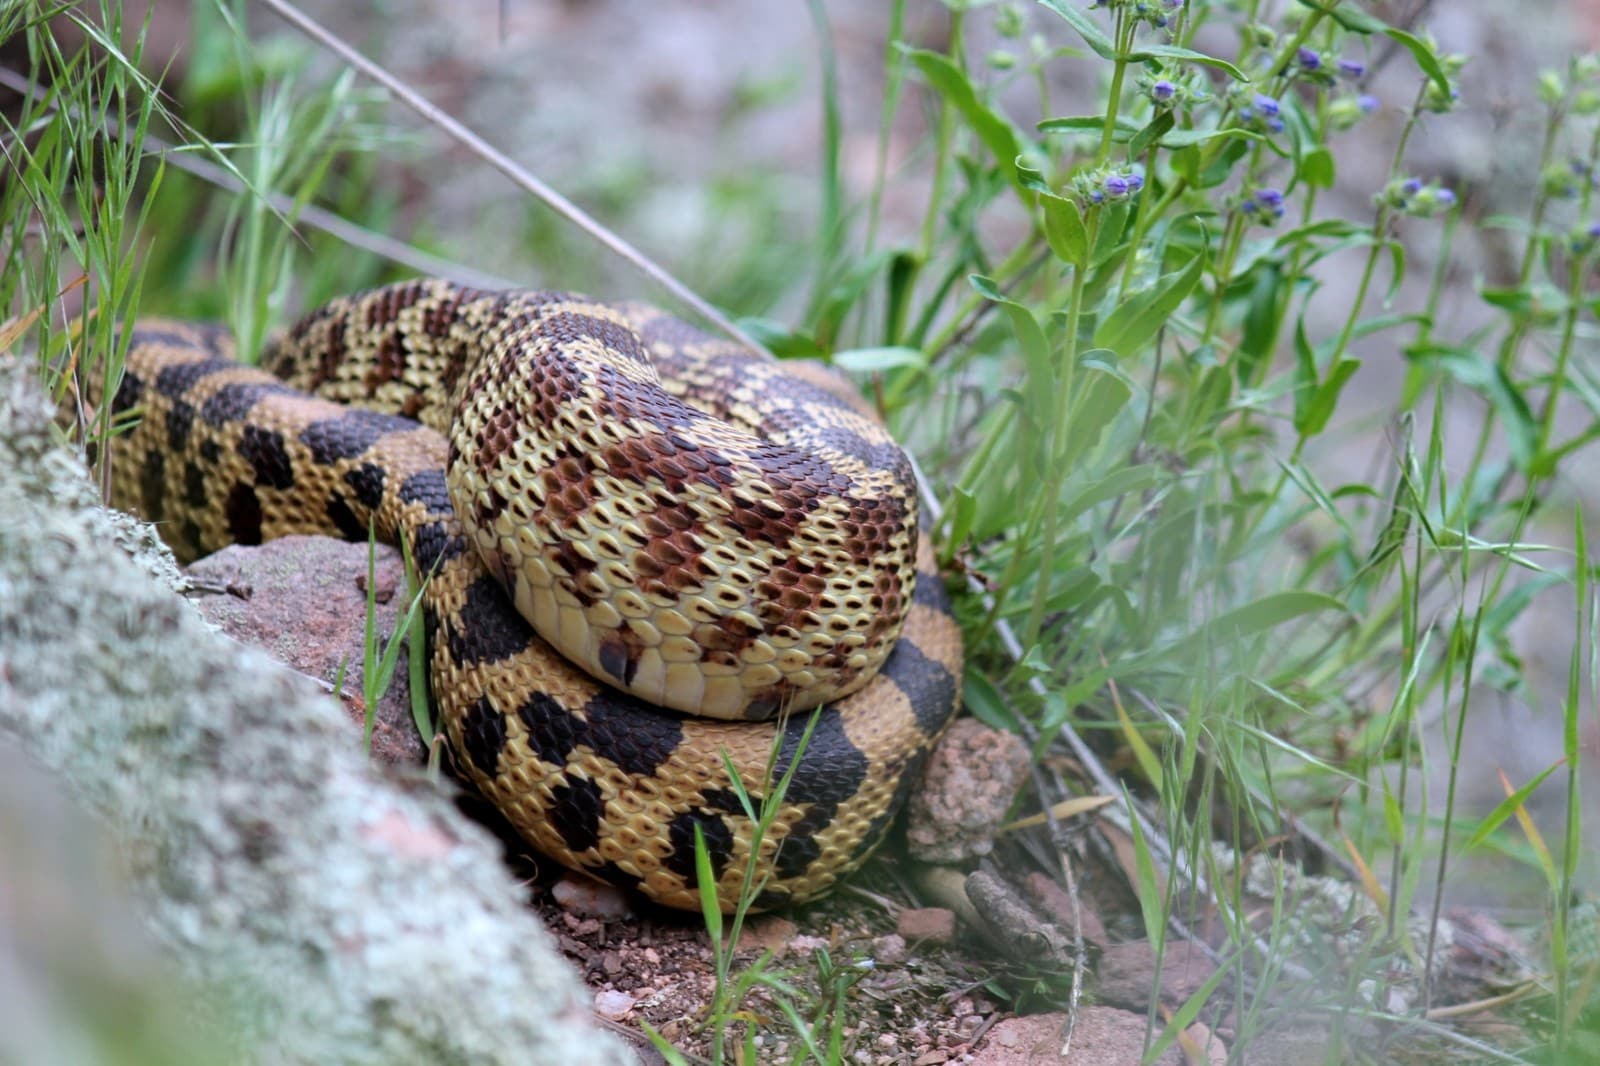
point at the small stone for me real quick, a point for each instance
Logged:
(771, 933)
(932, 924)
(613, 1005)
(583, 896)
(805, 945)
(889, 950)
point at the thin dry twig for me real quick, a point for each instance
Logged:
(459, 132)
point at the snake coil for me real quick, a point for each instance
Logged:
(685, 525)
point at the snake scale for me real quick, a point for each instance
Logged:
(689, 527)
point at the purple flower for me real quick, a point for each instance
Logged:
(1368, 103)
(1308, 59)
(1163, 90)
(1445, 197)
(1135, 181)
(1411, 186)
(1266, 105)
(1269, 197)
(1594, 230)
(1116, 186)
(1352, 68)
(1275, 125)
(1248, 207)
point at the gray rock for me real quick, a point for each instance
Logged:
(328, 914)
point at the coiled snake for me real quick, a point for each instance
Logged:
(694, 527)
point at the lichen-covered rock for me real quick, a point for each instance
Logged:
(329, 915)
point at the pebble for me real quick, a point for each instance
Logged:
(613, 1005)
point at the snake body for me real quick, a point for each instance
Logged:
(685, 526)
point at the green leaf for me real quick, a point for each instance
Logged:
(1505, 809)
(1190, 138)
(1108, 238)
(1185, 1015)
(1104, 396)
(998, 135)
(1317, 168)
(1139, 318)
(1423, 55)
(1485, 376)
(980, 697)
(1313, 417)
(1187, 55)
(1064, 229)
(1147, 886)
(1094, 124)
(1159, 126)
(1259, 616)
(1116, 484)
(1030, 335)
(1350, 17)
(1087, 28)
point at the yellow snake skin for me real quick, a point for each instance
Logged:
(683, 525)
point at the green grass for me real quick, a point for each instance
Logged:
(1123, 405)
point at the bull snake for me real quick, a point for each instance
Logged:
(688, 525)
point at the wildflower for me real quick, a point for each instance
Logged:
(1345, 111)
(1116, 186)
(1265, 206)
(1163, 91)
(1308, 59)
(1416, 197)
(1353, 69)
(1267, 105)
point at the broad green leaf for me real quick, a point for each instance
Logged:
(1087, 124)
(996, 132)
(1030, 335)
(1118, 483)
(1139, 318)
(1103, 398)
(1064, 230)
(1317, 168)
(1260, 616)
(1159, 127)
(1187, 55)
(1313, 417)
(1423, 55)
(1484, 375)
(1349, 16)
(1084, 23)
(980, 697)
(1190, 138)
